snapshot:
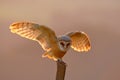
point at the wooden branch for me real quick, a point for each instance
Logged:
(61, 68)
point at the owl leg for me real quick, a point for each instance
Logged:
(56, 59)
(51, 56)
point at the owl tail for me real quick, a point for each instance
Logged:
(49, 55)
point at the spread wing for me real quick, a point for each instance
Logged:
(80, 41)
(44, 35)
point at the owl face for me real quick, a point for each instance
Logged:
(64, 43)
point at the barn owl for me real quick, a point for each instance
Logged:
(54, 47)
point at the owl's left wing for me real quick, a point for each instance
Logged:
(80, 41)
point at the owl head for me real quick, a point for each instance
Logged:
(64, 42)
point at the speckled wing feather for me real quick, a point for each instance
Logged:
(44, 35)
(80, 41)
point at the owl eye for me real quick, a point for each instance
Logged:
(62, 43)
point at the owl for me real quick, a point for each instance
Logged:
(55, 47)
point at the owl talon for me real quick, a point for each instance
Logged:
(61, 62)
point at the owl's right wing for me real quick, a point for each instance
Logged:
(44, 35)
(80, 41)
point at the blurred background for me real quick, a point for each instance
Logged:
(20, 58)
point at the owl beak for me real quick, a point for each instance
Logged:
(65, 47)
